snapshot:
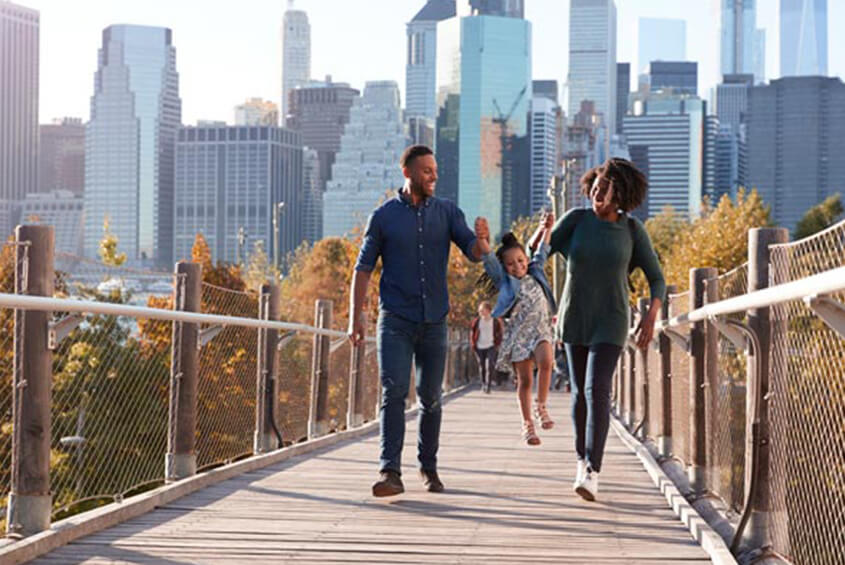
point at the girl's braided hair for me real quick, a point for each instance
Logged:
(484, 282)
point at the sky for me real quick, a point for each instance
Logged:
(228, 51)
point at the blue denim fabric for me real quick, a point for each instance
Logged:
(591, 370)
(414, 242)
(509, 286)
(399, 342)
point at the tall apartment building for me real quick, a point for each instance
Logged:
(256, 112)
(803, 38)
(495, 96)
(296, 53)
(796, 132)
(672, 132)
(421, 63)
(61, 209)
(543, 124)
(231, 179)
(592, 57)
(19, 53)
(312, 196)
(61, 156)
(739, 40)
(367, 165)
(679, 76)
(623, 89)
(129, 143)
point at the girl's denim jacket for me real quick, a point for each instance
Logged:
(509, 285)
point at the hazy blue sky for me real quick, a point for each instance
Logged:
(227, 51)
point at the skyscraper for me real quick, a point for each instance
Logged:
(229, 179)
(58, 208)
(623, 88)
(739, 40)
(592, 57)
(421, 64)
(296, 53)
(495, 97)
(731, 109)
(19, 31)
(367, 165)
(803, 37)
(661, 39)
(546, 89)
(672, 131)
(679, 76)
(320, 110)
(796, 132)
(545, 148)
(312, 196)
(503, 8)
(61, 156)
(257, 112)
(448, 100)
(129, 143)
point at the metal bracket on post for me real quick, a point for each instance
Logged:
(679, 339)
(285, 339)
(831, 311)
(730, 331)
(336, 344)
(58, 331)
(205, 335)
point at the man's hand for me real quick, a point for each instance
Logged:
(356, 331)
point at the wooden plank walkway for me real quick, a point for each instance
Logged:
(504, 503)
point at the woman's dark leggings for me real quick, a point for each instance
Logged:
(591, 371)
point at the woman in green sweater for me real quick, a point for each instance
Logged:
(601, 245)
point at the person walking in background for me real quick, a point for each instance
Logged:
(412, 234)
(525, 297)
(602, 245)
(486, 337)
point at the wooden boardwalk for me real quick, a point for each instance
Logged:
(504, 503)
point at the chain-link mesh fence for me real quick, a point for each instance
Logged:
(8, 266)
(110, 394)
(338, 392)
(679, 376)
(807, 411)
(226, 389)
(725, 404)
(295, 359)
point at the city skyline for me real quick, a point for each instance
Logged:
(68, 53)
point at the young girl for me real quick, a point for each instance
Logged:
(526, 300)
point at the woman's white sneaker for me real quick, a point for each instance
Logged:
(588, 487)
(580, 466)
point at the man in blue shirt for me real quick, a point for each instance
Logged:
(412, 234)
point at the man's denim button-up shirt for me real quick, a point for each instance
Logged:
(413, 242)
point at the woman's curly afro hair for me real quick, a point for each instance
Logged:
(629, 184)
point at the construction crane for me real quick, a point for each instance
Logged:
(506, 162)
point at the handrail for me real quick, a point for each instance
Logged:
(823, 283)
(46, 304)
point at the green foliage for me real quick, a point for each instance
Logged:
(819, 217)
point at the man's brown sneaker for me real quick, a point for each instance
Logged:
(431, 481)
(388, 484)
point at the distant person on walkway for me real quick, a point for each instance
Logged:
(602, 245)
(485, 338)
(412, 234)
(526, 299)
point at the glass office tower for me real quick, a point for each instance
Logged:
(129, 143)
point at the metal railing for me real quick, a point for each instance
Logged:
(101, 398)
(750, 367)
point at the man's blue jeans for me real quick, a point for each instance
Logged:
(399, 342)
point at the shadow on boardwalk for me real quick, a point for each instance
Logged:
(505, 503)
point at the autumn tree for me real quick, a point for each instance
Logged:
(819, 217)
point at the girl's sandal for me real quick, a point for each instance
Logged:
(528, 434)
(542, 414)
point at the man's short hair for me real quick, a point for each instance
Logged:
(412, 153)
